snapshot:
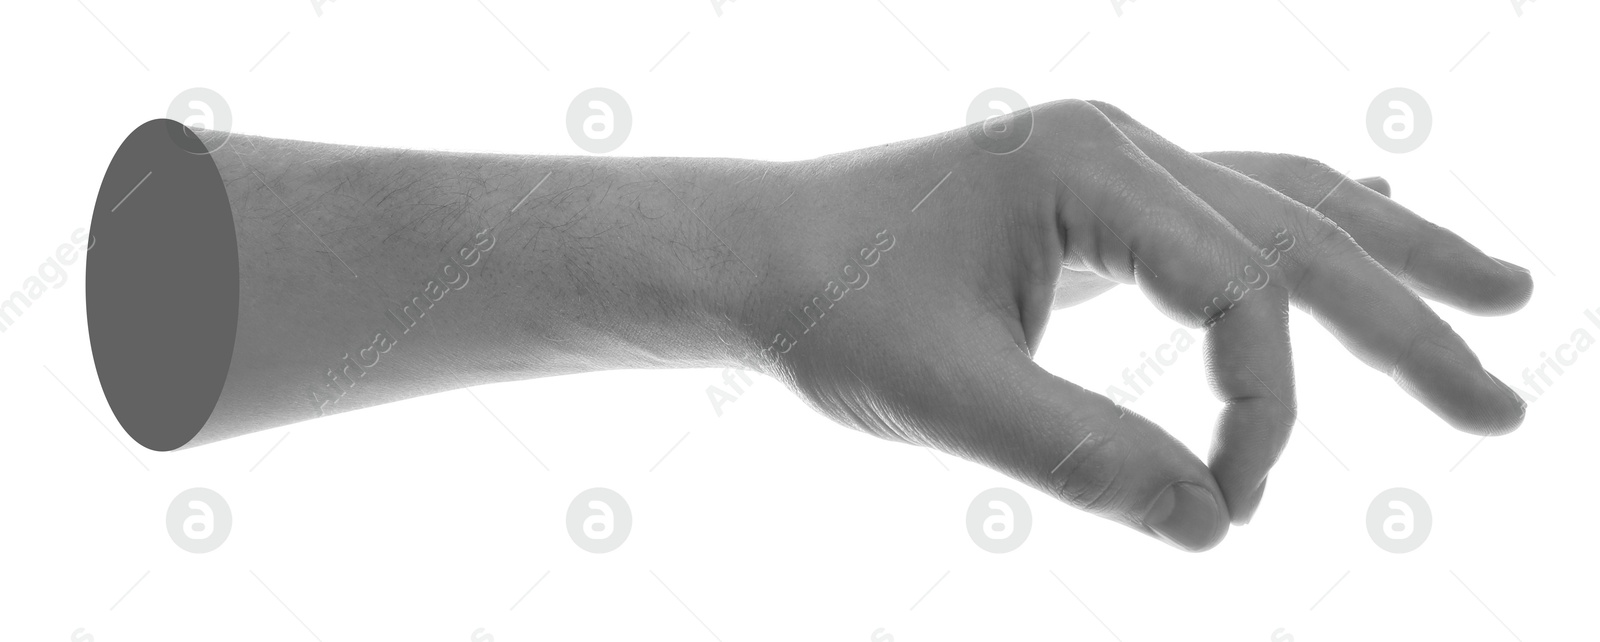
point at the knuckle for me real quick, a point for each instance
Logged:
(1327, 245)
(1071, 104)
(1432, 331)
(1307, 180)
(1074, 131)
(1408, 259)
(1278, 418)
(1322, 234)
(1111, 111)
(1425, 242)
(1075, 115)
(1065, 119)
(1283, 412)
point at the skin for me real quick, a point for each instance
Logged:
(930, 268)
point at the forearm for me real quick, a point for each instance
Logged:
(371, 275)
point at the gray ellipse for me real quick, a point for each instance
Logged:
(161, 285)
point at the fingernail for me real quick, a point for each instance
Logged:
(1511, 393)
(1187, 516)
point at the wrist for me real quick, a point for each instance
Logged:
(900, 213)
(639, 262)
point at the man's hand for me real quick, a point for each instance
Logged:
(907, 287)
(900, 289)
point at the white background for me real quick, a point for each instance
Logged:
(426, 520)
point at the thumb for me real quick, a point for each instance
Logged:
(1076, 445)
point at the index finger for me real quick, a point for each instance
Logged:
(1431, 260)
(1375, 316)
